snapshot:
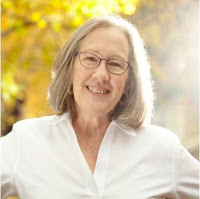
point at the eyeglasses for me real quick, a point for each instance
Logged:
(90, 60)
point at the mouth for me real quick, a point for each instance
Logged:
(98, 90)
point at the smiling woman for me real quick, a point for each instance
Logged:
(105, 90)
(101, 143)
(138, 90)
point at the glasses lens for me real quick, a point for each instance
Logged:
(117, 66)
(89, 60)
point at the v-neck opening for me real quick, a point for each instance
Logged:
(97, 178)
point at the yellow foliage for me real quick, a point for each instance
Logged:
(35, 16)
(42, 23)
(10, 89)
(129, 9)
(57, 26)
(7, 4)
(77, 21)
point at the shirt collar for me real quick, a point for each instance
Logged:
(126, 129)
(66, 117)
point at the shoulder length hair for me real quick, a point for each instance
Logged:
(139, 102)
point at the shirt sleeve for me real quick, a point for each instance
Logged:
(9, 158)
(186, 174)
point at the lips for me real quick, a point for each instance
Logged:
(98, 90)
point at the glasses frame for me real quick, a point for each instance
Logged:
(128, 64)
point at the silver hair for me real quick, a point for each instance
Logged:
(137, 110)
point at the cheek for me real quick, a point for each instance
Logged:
(80, 77)
(78, 73)
(121, 84)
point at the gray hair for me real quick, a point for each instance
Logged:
(139, 102)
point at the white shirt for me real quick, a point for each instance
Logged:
(41, 159)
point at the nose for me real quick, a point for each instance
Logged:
(101, 73)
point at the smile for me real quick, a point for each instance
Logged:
(98, 91)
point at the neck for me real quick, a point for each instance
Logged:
(90, 126)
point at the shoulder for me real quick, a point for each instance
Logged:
(40, 124)
(156, 132)
(40, 121)
(45, 120)
(158, 137)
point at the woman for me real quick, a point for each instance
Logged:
(100, 145)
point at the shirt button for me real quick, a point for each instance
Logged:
(94, 197)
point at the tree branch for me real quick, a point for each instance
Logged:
(12, 29)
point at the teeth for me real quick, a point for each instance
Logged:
(96, 90)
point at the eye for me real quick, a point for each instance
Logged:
(115, 64)
(91, 58)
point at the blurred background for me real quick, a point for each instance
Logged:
(34, 31)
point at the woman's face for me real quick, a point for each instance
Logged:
(97, 91)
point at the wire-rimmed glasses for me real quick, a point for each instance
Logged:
(90, 60)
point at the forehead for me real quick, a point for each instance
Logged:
(106, 41)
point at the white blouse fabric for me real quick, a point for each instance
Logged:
(41, 159)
